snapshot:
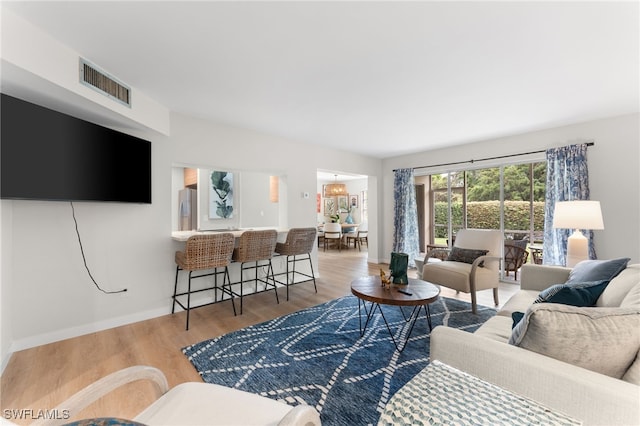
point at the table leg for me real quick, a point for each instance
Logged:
(415, 314)
(369, 314)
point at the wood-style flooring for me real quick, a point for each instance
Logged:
(43, 377)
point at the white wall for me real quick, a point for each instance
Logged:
(614, 174)
(6, 305)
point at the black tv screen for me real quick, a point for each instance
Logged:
(47, 155)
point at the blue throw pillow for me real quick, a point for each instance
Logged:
(574, 294)
(597, 270)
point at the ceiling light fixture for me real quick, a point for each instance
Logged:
(335, 189)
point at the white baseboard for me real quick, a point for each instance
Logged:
(5, 361)
(58, 335)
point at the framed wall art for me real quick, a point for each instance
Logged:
(220, 195)
(353, 201)
(343, 203)
(329, 206)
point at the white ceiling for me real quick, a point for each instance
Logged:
(377, 78)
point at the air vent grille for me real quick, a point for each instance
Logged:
(98, 80)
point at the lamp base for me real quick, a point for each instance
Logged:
(577, 248)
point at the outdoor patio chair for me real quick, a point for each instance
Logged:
(514, 257)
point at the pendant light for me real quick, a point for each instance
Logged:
(335, 189)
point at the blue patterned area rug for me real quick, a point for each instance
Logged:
(316, 356)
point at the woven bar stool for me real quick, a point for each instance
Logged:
(299, 242)
(255, 247)
(203, 252)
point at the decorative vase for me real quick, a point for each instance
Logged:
(348, 219)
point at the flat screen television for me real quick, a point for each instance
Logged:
(47, 155)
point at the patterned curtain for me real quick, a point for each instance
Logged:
(567, 180)
(405, 218)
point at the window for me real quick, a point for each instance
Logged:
(509, 198)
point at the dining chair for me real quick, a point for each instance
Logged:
(320, 234)
(332, 232)
(359, 236)
(203, 252)
(255, 248)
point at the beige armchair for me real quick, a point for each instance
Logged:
(469, 273)
(192, 403)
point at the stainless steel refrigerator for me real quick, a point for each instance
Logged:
(188, 209)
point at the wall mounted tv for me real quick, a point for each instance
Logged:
(47, 155)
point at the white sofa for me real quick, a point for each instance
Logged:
(587, 395)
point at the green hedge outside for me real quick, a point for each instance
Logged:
(486, 215)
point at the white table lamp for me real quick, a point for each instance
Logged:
(577, 215)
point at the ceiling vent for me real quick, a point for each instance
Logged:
(93, 77)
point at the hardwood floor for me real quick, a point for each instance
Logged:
(42, 377)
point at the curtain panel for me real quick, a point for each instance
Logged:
(567, 180)
(405, 220)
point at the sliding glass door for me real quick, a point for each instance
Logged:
(509, 198)
(448, 207)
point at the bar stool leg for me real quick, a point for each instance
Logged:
(241, 285)
(273, 278)
(189, 300)
(256, 278)
(175, 290)
(294, 273)
(227, 280)
(215, 284)
(313, 275)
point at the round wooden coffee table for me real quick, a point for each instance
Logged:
(417, 293)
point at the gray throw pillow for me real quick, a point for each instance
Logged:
(597, 270)
(605, 340)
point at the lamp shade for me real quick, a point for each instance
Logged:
(583, 214)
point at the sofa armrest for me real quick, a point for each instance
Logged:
(539, 277)
(585, 395)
